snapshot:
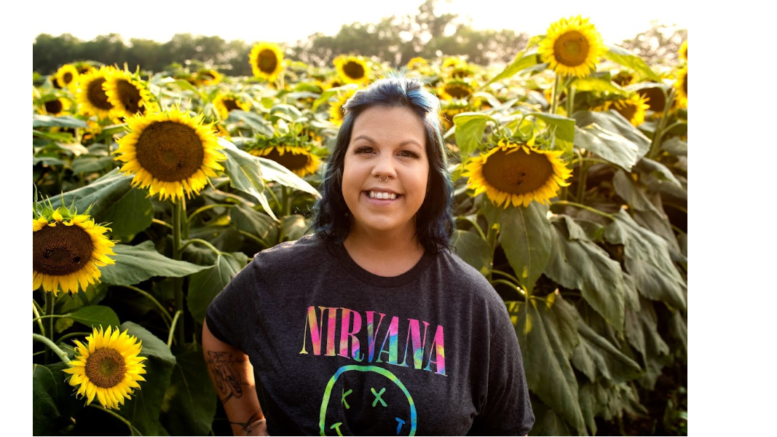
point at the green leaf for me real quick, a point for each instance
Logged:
(597, 356)
(205, 285)
(326, 95)
(630, 60)
(132, 213)
(293, 227)
(44, 407)
(632, 193)
(95, 316)
(564, 129)
(249, 220)
(610, 136)
(469, 131)
(101, 194)
(190, 401)
(254, 121)
(642, 334)
(582, 265)
(547, 422)
(658, 178)
(526, 239)
(144, 408)
(473, 250)
(522, 61)
(548, 337)
(273, 171)
(67, 303)
(64, 121)
(648, 260)
(135, 264)
(91, 164)
(597, 84)
(675, 146)
(46, 160)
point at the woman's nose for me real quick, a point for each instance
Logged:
(384, 166)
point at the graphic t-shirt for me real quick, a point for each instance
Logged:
(338, 350)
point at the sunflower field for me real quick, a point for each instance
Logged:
(153, 189)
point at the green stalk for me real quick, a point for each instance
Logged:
(583, 166)
(52, 347)
(165, 314)
(37, 316)
(491, 238)
(177, 255)
(585, 207)
(570, 101)
(286, 202)
(49, 299)
(656, 143)
(126, 422)
(172, 328)
(554, 97)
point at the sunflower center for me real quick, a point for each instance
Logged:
(267, 61)
(288, 159)
(457, 92)
(518, 172)
(67, 77)
(53, 106)
(571, 49)
(105, 368)
(129, 96)
(230, 105)
(685, 84)
(627, 111)
(96, 94)
(170, 151)
(61, 250)
(354, 70)
(656, 99)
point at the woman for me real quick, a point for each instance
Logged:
(371, 326)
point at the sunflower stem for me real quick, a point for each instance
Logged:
(203, 242)
(52, 347)
(177, 282)
(73, 334)
(163, 223)
(492, 233)
(570, 101)
(583, 167)
(473, 223)
(207, 207)
(286, 200)
(585, 207)
(49, 302)
(656, 143)
(254, 238)
(507, 275)
(554, 97)
(126, 422)
(515, 286)
(37, 316)
(165, 314)
(172, 328)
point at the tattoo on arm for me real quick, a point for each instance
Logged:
(225, 376)
(248, 425)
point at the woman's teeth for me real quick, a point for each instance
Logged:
(380, 195)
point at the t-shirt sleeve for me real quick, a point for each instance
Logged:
(507, 409)
(230, 313)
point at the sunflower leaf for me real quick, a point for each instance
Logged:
(582, 265)
(44, 407)
(522, 61)
(526, 239)
(136, 264)
(254, 121)
(596, 84)
(145, 406)
(49, 121)
(610, 136)
(548, 337)
(273, 171)
(131, 214)
(101, 194)
(564, 129)
(595, 355)
(326, 95)
(91, 164)
(190, 401)
(205, 285)
(473, 250)
(630, 60)
(95, 316)
(469, 131)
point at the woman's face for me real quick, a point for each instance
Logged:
(386, 170)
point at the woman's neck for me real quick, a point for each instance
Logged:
(384, 255)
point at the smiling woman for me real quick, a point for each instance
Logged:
(380, 254)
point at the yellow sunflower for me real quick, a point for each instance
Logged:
(107, 367)
(517, 174)
(55, 106)
(681, 87)
(336, 113)
(684, 51)
(128, 94)
(67, 77)
(299, 160)
(266, 61)
(67, 250)
(632, 108)
(170, 152)
(225, 103)
(457, 89)
(655, 98)
(572, 47)
(623, 78)
(83, 67)
(91, 96)
(452, 62)
(450, 109)
(352, 69)
(417, 63)
(209, 76)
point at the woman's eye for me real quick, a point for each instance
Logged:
(409, 154)
(364, 149)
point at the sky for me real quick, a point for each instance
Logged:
(290, 21)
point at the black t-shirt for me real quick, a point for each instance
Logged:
(339, 350)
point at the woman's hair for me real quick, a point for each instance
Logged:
(434, 220)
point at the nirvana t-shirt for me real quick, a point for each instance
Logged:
(341, 351)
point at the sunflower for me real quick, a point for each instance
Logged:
(107, 367)
(225, 103)
(128, 94)
(632, 108)
(681, 87)
(452, 62)
(266, 61)
(655, 98)
(299, 160)
(91, 97)
(572, 47)
(83, 67)
(517, 174)
(417, 63)
(67, 77)
(683, 52)
(336, 113)
(209, 76)
(67, 250)
(55, 106)
(450, 109)
(623, 78)
(170, 152)
(457, 89)
(352, 69)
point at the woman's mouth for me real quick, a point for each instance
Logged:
(382, 196)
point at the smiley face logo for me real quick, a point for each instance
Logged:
(379, 400)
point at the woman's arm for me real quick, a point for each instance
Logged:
(233, 376)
